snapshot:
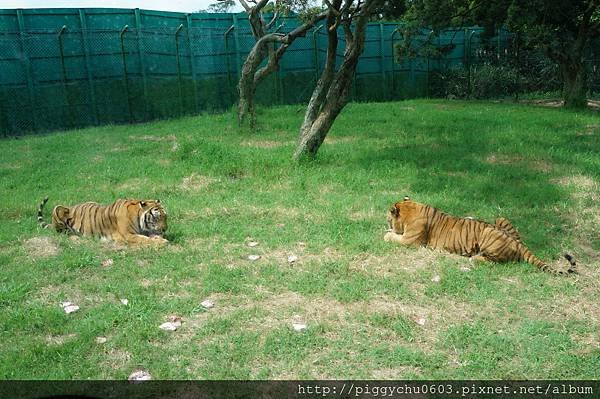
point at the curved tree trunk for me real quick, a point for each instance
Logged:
(331, 93)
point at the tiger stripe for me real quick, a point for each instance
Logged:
(419, 224)
(130, 221)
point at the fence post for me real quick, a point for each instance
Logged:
(27, 65)
(382, 62)
(427, 72)
(138, 28)
(188, 19)
(178, 64)
(392, 86)
(86, 51)
(469, 63)
(237, 45)
(228, 61)
(121, 37)
(63, 68)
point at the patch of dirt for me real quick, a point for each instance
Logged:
(584, 216)
(41, 247)
(116, 358)
(395, 374)
(590, 130)
(339, 140)
(362, 215)
(502, 159)
(170, 138)
(407, 259)
(555, 103)
(265, 143)
(134, 184)
(195, 182)
(56, 340)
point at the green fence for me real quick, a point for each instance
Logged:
(66, 68)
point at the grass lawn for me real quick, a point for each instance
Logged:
(373, 309)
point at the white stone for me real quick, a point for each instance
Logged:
(292, 258)
(299, 326)
(253, 257)
(101, 340)
(125, 301)
(207, 304)
(170, 325)
(436, 279)
(69, 307)
(140, 375)
(252, 244)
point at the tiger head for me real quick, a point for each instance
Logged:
(153, 217)
(400, 214)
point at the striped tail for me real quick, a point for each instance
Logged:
(534, 260)
(40, 217)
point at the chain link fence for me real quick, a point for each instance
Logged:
(81, 75)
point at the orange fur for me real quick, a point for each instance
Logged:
(412, 223)
(129, 221)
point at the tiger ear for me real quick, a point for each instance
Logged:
(406, 198)
(142, 203)
(158, 201)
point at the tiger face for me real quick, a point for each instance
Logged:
(398, 215)
(153, 218)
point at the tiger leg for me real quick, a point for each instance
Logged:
(507, 226)
(412, 235)
(139, 239)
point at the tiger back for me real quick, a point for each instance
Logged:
(413, 223)
(126, 221)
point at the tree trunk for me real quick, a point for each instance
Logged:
(574, 85)
(331, 93)
(264, 47)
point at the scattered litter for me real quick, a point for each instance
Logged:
(125, 301)
(299, 326)
(107, 263)
(436, 278)
(140, 375)
(252, 243)
(172, 325)
(169, 326)
(292, 258)
(69, 307)
(280, 225)
(419, 320)
(207, 304)
(101, 340)
(465, 269)
(253, 257)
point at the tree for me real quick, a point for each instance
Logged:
(331, 92)
(562, 29)
(269, 46)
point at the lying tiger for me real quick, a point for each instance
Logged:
(413, 223)
(135, 222)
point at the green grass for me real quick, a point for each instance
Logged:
(359, 296)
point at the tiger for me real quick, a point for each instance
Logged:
(412, 223)
(134, 222)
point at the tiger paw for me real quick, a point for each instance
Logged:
(159, 240)
(390, 236)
